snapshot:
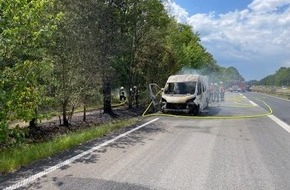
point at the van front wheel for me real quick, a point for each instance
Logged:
(195, 110)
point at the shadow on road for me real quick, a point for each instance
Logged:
(137, 137)
(74, 183)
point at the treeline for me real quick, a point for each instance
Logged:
(71, 53)
(280, 78)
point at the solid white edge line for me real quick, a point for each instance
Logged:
(68, 161)
(253, 103)
(280, 123)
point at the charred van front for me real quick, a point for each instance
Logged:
(185, 93)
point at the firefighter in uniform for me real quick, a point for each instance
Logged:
(122, 94)
(216, 93)
(222, 91)
(136, 94)
(211, 92)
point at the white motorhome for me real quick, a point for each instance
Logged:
(185, 93)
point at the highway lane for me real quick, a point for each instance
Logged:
(185, 153)
(280, 107)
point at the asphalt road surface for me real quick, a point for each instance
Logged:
(233, 145)
(280, 107)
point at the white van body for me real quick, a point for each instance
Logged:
(185, 93)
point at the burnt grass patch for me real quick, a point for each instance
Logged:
(45, 131)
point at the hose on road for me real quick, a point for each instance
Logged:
(239, 105)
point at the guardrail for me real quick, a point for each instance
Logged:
(276, 91)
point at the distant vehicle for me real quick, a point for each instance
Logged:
(237, 87)
(248, 88)
(185, 93)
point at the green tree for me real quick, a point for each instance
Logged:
(280, 78)
(143, 28)
(232, 74)
(152, 51)
(66, 57)
(76, 56)
(26, 29)
(189, 53)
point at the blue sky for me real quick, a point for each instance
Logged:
(251, 35)
(218, 6)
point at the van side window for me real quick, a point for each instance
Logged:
(199, 88)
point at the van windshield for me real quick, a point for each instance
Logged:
(180, 88)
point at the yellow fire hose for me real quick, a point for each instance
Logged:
(239, 105)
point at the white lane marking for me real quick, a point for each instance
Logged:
(48, 170)
(253, 103)
(280, 123)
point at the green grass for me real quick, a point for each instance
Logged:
(13, 158)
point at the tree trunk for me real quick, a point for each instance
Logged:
(33, 121)
(71, 114)
(107, 98)
(64, 114)
(85, 113)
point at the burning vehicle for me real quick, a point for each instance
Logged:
(185, 93)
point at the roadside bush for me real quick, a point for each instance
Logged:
(10, 137)
(4, 133)
(17, 135)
